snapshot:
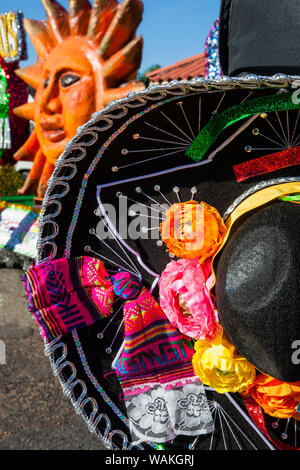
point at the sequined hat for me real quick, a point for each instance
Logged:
(231, 143)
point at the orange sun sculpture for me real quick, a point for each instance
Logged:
(85, 59)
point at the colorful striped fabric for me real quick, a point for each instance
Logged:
(168, 377)
(68, 293)
(154, 351)
(126, 285)
(162, 395)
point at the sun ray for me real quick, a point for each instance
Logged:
(44, 177)
(40, 35)
(29, 149)
(113, 94)
(79, 16)
(58, 19)
(122, 27)
(32, 181)
(31, 74)
(25, 111)
(123, 63)
(101, 16)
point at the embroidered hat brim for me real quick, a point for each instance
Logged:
(134, 155)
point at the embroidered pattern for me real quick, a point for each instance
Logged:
(162, 395)
(67, 310)
(68, 294)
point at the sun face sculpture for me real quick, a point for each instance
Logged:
(85, 59)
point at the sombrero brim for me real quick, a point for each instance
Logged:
(137, 147)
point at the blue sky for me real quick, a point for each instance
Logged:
(172, 29)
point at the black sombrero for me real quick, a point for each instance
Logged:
(230, 142)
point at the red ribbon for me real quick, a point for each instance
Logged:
(267, 164)
(256, 414)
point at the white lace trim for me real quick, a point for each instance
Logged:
(142, 388)
(160, 414)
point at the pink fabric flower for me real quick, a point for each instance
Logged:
(184, 290)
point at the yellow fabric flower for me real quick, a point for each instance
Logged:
(219, 366)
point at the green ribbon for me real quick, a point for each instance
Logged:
(4, 109)
(213, 129)
(294, 198)
(23, 200)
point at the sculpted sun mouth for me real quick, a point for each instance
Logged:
(55, 135)
(53, 132)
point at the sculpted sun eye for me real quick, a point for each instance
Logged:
(68, 79)
(46, 82)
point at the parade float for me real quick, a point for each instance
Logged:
(18, 228)
(86, 58)
(175, 328)
(13, 91)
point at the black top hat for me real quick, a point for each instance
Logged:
(242, 135)
(259, 37)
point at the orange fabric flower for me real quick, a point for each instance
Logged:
(193, 230)
(278, 399)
